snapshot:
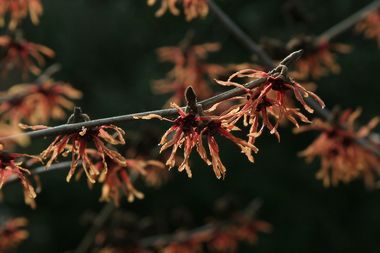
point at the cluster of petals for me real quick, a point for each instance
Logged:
(222, 238)
(342, 158)
(79, 143)
(120, 177)
(12, 234)
(10, 167)
(188, 131)
(23, 54)
(38, 103)
(18, 10)
(319, 56)
(269, 101)
(189, 68)
(370, 26)
(191, 8)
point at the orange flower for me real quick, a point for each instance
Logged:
(184, 131)
(7, 130)
(189, 68)
(270, 98)
(18, 10)
(120, 178)
(10, 166)
(37, 103)
(20, 53)
(185, 247)
(342, 158)
(221, 125)
(188, 130)
(12, 233)
(318, 58)
(192, 8)
(77, 144)
(370, 26)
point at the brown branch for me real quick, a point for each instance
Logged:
(184, 236)
(347, 22)
(99, 221)
(235, 30)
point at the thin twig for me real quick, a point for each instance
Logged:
(43, 169)
(347, 23)
(67, 128)
(184, 236)
(235, 30)
(240, 35)
(99, 221)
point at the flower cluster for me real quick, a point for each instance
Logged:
(189, 68)
(12, 233)
(23, 54)
(319, 57)
(270, 99)
(370, 26)
(37, 103)
(342, 158)
(91, 152)
(189, 129)
(11, 166)
(217, 235)
(220, 237)
(192, 8)
(119, 178)
(18, 10)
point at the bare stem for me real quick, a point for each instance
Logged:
(347, 23)
(232, 27)
(67, 128)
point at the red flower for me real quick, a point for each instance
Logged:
(370, 26)
(10, 166)
(318, 58)
(37, 103)
(26, 55)
(12, 233)
(189, 68)
(270, 99)
(342, 158)
(120, 178)
(221, 125)
(18, 10)
(77, 144)
(183, 132)
(192, 8)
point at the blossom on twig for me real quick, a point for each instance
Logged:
(189, 68)
(342, 158)
(192, 8)
(23, 54)
(319, 57)
(78, 143)
(119, 178)
(270, 99)
(18, 10)
(12, 234)
(370, 26)
(37, 103)
(11, 166)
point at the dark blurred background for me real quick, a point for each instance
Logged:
(107, 50)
